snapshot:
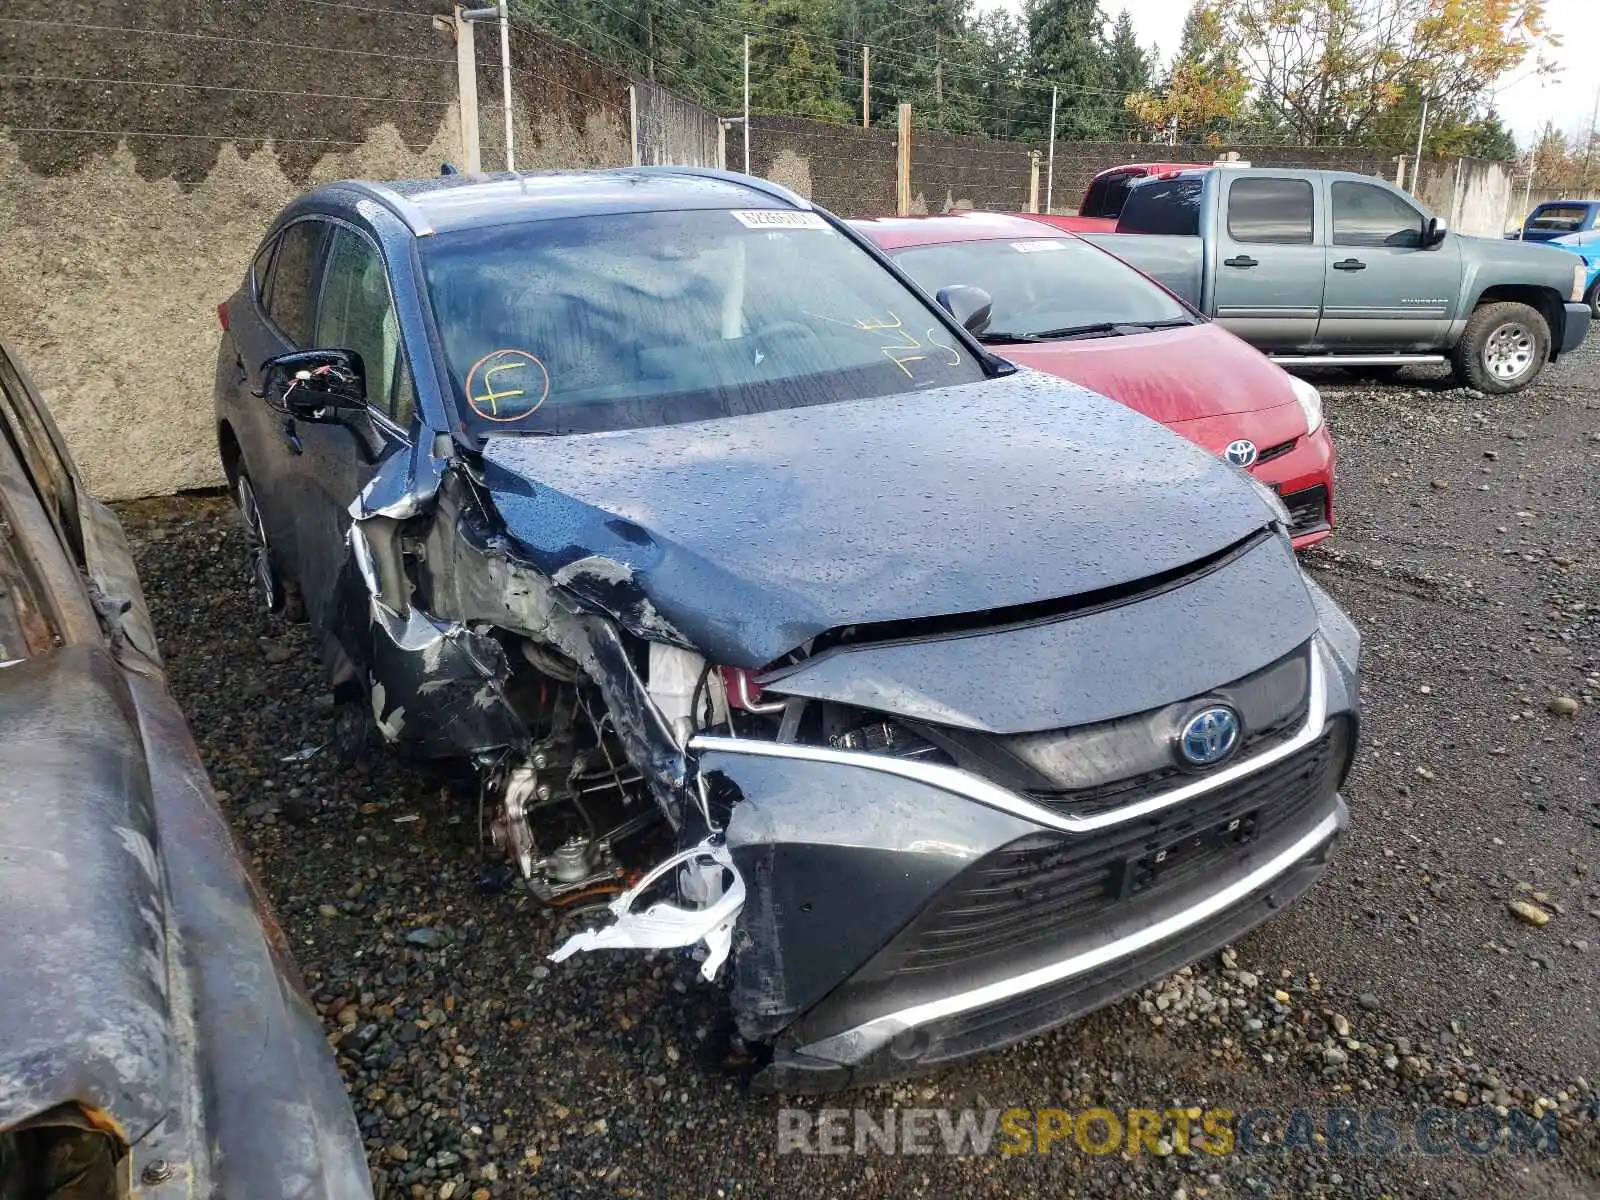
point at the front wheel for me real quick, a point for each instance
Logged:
(1593, 299)
(1503, 349)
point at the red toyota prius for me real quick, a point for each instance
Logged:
(1066, 307)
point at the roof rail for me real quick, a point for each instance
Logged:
(415, 219)
(776, 190)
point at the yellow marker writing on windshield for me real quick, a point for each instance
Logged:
(504, 402)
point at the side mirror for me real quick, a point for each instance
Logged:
(969, 305)
(1433, 232)
(315, 385)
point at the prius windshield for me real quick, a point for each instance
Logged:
(1045, 287)
(621, 321)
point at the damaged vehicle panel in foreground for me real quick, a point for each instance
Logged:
(143, 970)
(966, 699)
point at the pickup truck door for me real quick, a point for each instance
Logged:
(1268, 260)
(1385, 292)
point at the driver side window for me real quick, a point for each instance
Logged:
(1364, 215)
(357, 313)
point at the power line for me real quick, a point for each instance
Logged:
(33, 77)
(163, 133)
(214, 37)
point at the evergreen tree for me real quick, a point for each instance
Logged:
(793, 68)
(1067, 48)
(1130, 66)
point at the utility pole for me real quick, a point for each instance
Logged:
(866, 87)
(902, 182)
(747, 104)
(1050, 168)
(1416, 169)
(1588, 146)
(505, 80)
(467, 76)
(458, 27)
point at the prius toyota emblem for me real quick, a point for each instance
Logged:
(1241, 453)
(1209, 736)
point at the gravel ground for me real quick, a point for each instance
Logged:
(1467, 553)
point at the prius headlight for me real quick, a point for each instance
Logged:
(1310, 402)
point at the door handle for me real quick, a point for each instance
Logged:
(1350, 264)
(291, 438)
(1240, 260)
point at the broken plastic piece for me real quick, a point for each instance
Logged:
(667, 926)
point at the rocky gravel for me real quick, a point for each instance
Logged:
(1450, 960)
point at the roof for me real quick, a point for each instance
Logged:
(893, 233)
(449, 202)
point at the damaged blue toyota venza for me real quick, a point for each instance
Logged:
(928, 701)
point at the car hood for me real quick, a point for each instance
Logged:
(1171, 375)
(748, 535)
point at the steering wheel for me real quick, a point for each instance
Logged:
(785, 328)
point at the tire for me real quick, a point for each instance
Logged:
(1594, 300)
(1503, 349)
(264, 577)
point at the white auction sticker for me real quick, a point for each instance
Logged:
(1034, 245)
(778, 218)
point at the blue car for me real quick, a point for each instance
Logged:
(927, 701)
(1559, 218)
(1587, 247)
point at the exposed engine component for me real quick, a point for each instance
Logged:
(713, 893)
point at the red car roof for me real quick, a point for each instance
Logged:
(895, 233)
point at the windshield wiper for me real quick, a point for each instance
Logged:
(990, 338)
(1105, 328)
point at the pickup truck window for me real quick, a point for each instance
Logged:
(1270, 210)
(1364, 215)
(1166, 206)
(1106, 194)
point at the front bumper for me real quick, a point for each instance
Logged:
(1576, 326)
(1303, 479)
(1102, 965)
(900, 915)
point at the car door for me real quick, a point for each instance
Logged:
(276, 321)
(355, 311)
(1268, 261)
(1385, 291)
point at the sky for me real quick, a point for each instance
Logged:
(1525, 101)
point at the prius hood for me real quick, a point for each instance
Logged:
(746, 536)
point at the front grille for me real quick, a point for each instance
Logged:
(1039, 889)
(1278, 451)
(1308, 509)
(1119, 793)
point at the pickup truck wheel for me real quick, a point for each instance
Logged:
(1594, 299)
(1503, 349)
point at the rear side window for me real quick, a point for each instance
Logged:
(1165, 206)
(1364, 215)
(260, 268)
(1270, 210)
(289, 285)
(1106, 194)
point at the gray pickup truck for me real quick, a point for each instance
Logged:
(1323, 268)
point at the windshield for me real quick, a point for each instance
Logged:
(1045, 286)
(629, 320)
(1559, 217)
